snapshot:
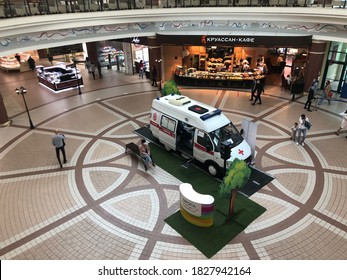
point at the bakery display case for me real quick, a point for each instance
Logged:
(15, 62)
(215, 65)
(59, 77)
(217, 79)
(9, 63)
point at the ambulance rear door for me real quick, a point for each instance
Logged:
(167, 129)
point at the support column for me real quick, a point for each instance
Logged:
(314, 62)
(42, 53)
(92, 52)
(4, 120)
(127, 50)
(155, 56)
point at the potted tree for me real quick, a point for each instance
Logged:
(235, 178)
(170, 87)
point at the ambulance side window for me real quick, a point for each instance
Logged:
(204, 140)
(168, 123)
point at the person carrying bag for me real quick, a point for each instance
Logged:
(304, 125)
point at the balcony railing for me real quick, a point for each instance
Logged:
(19, 8)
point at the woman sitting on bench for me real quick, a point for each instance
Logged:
(145, 153)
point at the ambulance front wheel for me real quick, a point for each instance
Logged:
(213, 168)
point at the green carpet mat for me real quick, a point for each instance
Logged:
(207, 240)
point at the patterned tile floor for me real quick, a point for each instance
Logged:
(103, 205)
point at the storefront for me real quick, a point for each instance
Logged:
(110, 53)
(125, 54)
(214, 66)
(234, 61)
(66, 53)
(336, 68)
(140, 53)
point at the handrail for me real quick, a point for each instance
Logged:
(20, 8)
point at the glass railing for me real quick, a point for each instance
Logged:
(19, 8)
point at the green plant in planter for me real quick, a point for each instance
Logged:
(235, 178)
(170, 87)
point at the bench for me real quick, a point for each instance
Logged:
(135, 149)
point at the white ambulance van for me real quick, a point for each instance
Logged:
(196, 130)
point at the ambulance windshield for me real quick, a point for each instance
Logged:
(228, 132)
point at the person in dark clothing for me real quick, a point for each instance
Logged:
(98, 65)
(50, 58)
(92, 70)
(154, 76)
(254, 87)
(59, 144)
(259, 90)
(141, 69)
(311, 93)
(31, 62)
(17, 56)
(310, 97)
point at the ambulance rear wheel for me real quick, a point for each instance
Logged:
(213, 168)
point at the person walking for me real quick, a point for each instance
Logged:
(88, 65)
(141, 69)
(294, 131)
(145, 153)
(92, 70)
(58, 141)
(31, 63)
(253, 89)
(17, 56)
(302, 130)
(154, 76)
(50, 58)
(259, 92)
(343, 123)
(326, 94)
(98, 65)
(311, 93)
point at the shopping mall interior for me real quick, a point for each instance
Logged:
(103, 204)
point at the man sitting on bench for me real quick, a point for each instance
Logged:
(145, 153)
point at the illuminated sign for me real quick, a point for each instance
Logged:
(226, 39)
(230, 41)
(136, 40)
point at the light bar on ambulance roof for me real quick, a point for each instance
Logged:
(211, 114)
(179, 101)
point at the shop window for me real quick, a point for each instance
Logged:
(336, 66)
